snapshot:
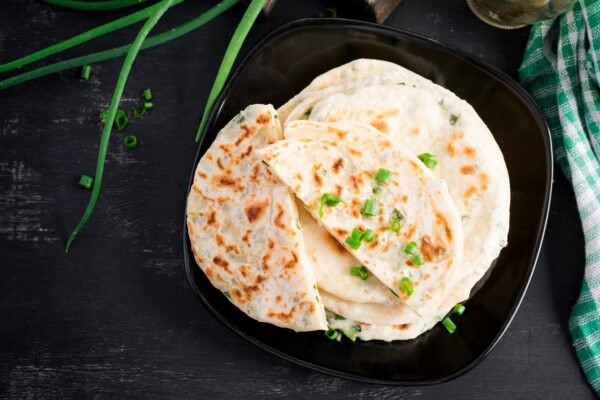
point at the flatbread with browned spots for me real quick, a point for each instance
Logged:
(243, 227)
(429, 217)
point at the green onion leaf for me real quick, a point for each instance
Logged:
(411, 248)
(458, 309)
(147, 94)
(86, 181)
(383, 175)
(85, 72)
(377, 190)
(330, 200)
(368, 236)
(333, 334)
(148, 105)
(370, 208)
(453, 119)
(130, 141)
(396, 220)
(406, 286)
(428, 159)
(417, 259)
(449, 325)
(362, 272)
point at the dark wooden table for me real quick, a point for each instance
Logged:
(115, 318)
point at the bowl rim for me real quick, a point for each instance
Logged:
(427, 42)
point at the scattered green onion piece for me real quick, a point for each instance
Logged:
(428, 159)
(102, 116)
(148, 105)
(85, 72)
(231, 53)
(383, 176)
(112, 112)
(370, 208)
(449, 325)
(417, 260)
(94, 5)
(130, 141)
(330, 200)
(354, 239)
(377, 190)
(396, 220)
(362, 272)
(86, 181)
(458, 309)
(352, 332)
(147, 94)
(329, 12)
(338, 317)
(453, 119)
(411, 248)
(153, 41)
(333, 334)
(121, 119)
(406, 286)
(369, 236)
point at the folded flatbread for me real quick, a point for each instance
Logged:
(244, 230)
(429, 218)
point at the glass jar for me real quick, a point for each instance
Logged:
(510, 14)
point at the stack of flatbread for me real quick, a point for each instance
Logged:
(369, 204)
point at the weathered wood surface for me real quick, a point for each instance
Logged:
(115, 318)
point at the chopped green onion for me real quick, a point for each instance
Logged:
(406, 286)
(411, 248)
(396, 220)
(121, 119)
(130, 141)
(329, 12)
(377, 190)
(148, 105)
(453, 119)
(428, 159)
(102, 116)
(441, 102)
(354, 239)
(330, 200)
(338, 317)
(417, 259)
(362, 272)
(147, 94)
(85, 72)
(353, 242)
(458, 309)
(86, 181)
(449, 325)
(368, 236)
(383, 175)
(352, 332)
(333, 334)
(370, 208)
(252, 12)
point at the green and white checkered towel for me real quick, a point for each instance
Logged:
(561, 69)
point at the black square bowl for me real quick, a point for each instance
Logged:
(285, 62)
